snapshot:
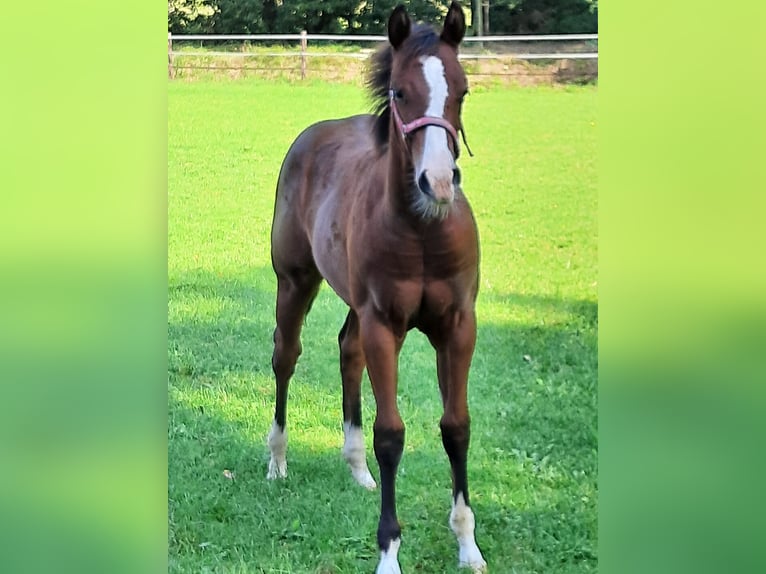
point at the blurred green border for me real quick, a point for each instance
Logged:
(681, 256)
(83, 486)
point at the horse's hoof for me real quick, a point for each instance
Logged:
(364, 478)
(478, 567)
(389, 564)
(388, 569)
(277, 469)
(470, 557)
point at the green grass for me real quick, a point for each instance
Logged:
(532, 391)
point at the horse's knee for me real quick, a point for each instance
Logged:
(285, 356)
(388, 444)
(456, 435)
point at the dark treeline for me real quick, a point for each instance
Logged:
(370, 17)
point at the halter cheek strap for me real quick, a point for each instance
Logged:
(422, 122)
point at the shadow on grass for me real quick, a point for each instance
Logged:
(532, 461)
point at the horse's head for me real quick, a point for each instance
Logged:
(427, 87)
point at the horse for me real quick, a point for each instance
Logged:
(373, 204)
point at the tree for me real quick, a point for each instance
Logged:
(316, 16)
(238, 17)
(371, 16)
(477, 17)
(348, 16)
(544, 16)
(183, 13)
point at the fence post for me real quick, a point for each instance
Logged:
(171, 72)
(304, 45)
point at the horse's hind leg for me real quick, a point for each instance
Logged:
(351, 368)
(454, 348)
(295, 293)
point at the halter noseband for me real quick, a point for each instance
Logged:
(421, 122)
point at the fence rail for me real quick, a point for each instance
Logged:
(303, 38)
(362, 38)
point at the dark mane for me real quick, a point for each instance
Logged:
(422, 41)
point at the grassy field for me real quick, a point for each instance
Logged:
(532, 391)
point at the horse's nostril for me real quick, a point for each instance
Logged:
(456, 176)
(423, 184)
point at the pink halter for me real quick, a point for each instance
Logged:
(422, 122)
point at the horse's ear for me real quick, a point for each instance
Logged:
(454, 25)
(398, 26)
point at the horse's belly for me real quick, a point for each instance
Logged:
(328, 242)
(336, 277)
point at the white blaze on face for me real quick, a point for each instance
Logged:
(437, 160)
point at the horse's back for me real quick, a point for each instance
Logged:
(321, 158)
(321, 144)
(316, 189)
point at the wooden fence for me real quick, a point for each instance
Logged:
(566, 47)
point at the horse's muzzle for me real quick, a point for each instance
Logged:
(439, 186)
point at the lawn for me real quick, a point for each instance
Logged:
(532, 390)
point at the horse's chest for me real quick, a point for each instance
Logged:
(439, 298)
(410, 279)
(397, 299)
(415, 302)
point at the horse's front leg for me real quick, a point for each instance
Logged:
(454, 348)
(381, 349)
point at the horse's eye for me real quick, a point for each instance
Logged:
(398, 94)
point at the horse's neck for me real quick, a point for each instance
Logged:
(399, 176)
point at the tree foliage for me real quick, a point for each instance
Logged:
(237, 17)
(543, 16)
(369, 16)
(184, 14)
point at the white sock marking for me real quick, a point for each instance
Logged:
(389, 564)
(278, 447)
(354, 453)
(437, 160)
(462, 522)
